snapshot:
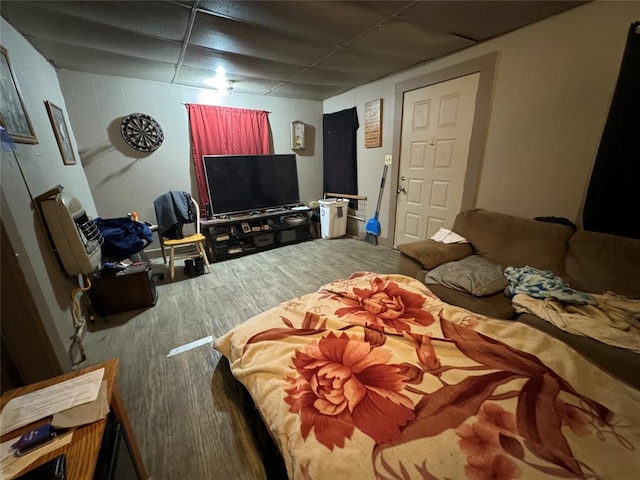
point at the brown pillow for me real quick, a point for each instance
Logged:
(431, 253)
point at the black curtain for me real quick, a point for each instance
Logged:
(613, 198)
(339, 151)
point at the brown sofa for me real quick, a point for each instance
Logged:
(589, 261)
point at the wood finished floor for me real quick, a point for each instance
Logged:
(184, 414)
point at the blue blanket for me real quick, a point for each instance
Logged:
(543, 284)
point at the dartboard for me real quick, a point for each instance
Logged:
(142, 132)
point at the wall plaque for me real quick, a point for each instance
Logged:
(373, 124)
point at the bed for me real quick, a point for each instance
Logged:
(375, 377)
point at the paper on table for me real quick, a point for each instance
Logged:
(447, 236)
(5, 448)
(23, 410)
(83, 414)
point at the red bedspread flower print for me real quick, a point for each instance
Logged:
(345, 383)
(355, 367)
(385, 304)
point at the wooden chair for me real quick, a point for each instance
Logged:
(197, 240)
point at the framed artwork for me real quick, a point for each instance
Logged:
(61, 131)
(13, 114)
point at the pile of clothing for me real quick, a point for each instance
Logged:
(607, 317)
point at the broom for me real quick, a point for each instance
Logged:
(373, 225)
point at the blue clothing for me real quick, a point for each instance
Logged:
(173, 210)
(122, 237)
(543, 284)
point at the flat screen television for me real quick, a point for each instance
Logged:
(246, 183)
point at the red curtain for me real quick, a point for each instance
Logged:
(225, 131)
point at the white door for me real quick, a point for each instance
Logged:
(436, 131)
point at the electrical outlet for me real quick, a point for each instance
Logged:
(387, 159)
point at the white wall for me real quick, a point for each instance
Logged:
(32, 171)
(553, 87)
(123, 180)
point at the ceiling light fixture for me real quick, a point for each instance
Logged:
(220, 82)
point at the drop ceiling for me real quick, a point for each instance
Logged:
(297, 49)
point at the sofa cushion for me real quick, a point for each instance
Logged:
(513, 241)
(622, 363)
(409, 266)
(598, 263)
(473, 274)
(431, 253)
(496, 306)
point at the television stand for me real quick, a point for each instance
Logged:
(226, 238)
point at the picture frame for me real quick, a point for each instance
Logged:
(61, 131)
(297, 135)
(13, 114)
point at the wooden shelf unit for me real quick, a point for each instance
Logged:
(226, 237)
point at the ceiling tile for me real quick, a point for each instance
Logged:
(157, 19)
(53, 26)
(330, 77)
(325, 22)
(401, 38)
(195, 77)
(298, 49)
(364, 63)
(238, 65)
(82, 59)
(481, 20)
(311, 92)
(235, 37)
(388, 8)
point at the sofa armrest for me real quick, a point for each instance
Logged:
(430, 253)
(409, 267)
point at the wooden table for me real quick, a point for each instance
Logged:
(82, 452)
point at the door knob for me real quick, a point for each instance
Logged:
(401, 189)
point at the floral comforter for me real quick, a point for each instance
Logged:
(375, 377)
